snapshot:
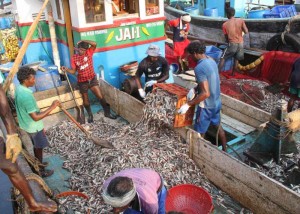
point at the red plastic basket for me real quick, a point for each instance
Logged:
(190, 199)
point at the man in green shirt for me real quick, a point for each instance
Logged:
(29, 115)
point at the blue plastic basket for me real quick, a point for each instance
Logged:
(282, 11)
(213, 52)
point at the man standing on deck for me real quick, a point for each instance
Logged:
(29, 115)
(135, 191)
(155, 68)
(11, 150)
(233, 29)
(207, 93)
(181, 27)
(83, 64)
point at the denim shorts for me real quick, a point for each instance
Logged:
(39, 139)
(205, 117)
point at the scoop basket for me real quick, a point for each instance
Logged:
(189, 199)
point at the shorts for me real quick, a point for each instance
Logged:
(205, 117)
(85, 86)
(235, 50)
(39, 139)
(4, 163)
(295, 91)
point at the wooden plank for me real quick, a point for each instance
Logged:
(187, 77)
(241, 117)
(237, 125)
(122, 103)
(41, 95)
(190, 72)
(66, 105)
(245, 109)
(62, 97)
(252, 189)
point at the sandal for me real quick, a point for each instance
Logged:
(46, 173)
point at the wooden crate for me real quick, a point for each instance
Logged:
(180, 120)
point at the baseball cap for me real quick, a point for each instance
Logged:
(153, 50)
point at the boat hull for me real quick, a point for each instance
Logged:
(260, 30)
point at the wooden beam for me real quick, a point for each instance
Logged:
(63, 98)
(41, 95)
(66, 105)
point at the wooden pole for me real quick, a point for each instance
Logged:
(23, 49)
(68, 22)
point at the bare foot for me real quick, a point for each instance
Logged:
(47, 206)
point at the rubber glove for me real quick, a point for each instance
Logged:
(183, 109)
(142, 93)
(150, 83)
(191, 94)
(13, 147)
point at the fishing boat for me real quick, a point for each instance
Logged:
(209, 27)
(123, 38)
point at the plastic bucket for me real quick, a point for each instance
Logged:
(257, 14)
(213, 12)
(47, 80)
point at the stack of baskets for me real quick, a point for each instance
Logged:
(130, 68)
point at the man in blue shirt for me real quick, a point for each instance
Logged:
(206, 93)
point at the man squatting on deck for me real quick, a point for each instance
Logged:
(233, 30)
(87, 79)
(135, 191)
(29, 115)
(8, 156)
(181, 27)
(207, 93)
(155, 68)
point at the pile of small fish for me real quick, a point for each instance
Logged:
(150, 143)
(282, 171)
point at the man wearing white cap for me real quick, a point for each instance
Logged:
(155, 68)
(135, 191)
(181, 27)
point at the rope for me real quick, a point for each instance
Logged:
(252, 64)
(33, 161)
(40, 181)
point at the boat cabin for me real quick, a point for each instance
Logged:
(123, 30)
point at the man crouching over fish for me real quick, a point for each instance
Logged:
(135, 191)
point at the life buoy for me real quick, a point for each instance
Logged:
(292, 43)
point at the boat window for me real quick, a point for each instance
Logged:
(121, 8)
(152, 7)
(58, 9)
(94, 11)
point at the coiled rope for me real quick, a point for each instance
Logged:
(251, 65)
